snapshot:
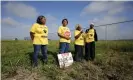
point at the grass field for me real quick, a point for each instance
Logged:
(114, 61)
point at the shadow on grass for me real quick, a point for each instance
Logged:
(40, 57)
(73, 54)
(30, 54)
(54, 55)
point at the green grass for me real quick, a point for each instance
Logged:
(114, 61)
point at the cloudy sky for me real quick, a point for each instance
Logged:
(17, 17)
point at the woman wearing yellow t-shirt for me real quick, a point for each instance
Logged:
(39, 36)
(90, 39)
(65, 35)
(79, 43)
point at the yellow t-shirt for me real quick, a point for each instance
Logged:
(39, 30)
(64, 31)
(90, 36)
(80, 40)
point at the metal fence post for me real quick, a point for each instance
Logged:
(106, 36)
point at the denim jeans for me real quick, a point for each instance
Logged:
(64, 47)
(36, 52)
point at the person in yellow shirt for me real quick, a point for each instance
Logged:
(39, 37)
(90, 38)
(79, 43)
(65, 36)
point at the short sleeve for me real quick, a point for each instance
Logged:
(33, 28)
(76, 33)
(59, 30)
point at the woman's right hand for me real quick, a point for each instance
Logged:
(81, 31)
(68, 38)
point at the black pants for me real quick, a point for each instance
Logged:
(90, 51)
(78, 53)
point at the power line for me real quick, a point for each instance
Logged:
(114, 23)
(106, 24)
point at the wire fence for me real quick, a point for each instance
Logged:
(113, 31)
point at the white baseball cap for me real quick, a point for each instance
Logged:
(92, 24)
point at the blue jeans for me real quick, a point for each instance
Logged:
(36, 52)
(64, 47)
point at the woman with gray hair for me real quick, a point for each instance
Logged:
(79, 43)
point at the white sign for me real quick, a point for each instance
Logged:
(65, 59)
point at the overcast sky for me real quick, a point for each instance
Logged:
(17, 17)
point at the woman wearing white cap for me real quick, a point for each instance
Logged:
(91, 37)
(79, 43)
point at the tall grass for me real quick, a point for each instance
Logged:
(114, 61)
